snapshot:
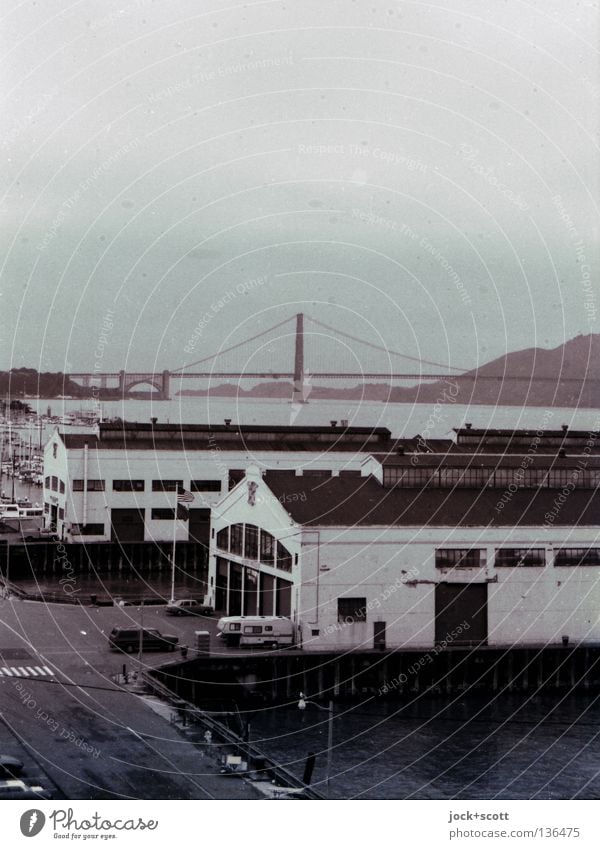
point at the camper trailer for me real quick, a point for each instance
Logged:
(268, 631)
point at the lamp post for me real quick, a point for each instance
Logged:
(302, 703)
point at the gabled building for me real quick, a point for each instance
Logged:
(121, 482)
(496, 547)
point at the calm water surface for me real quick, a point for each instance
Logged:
(509, 747)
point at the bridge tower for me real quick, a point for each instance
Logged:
(298, 394)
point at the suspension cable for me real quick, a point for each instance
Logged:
(233, 347)
(380, 348)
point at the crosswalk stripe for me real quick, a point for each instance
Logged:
(25, 671)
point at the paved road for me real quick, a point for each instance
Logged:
(78, 731)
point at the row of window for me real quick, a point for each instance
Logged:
(54, 483)
(465, 558)
(498, 478)
(61, 510)
(253, 543)
(128, 485)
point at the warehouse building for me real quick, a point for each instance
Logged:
(490, 540)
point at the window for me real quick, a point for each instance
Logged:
(62, 486)
(236, 539)
(54, 483)
(61, 512)
(46, 507)
(163, 513)
(508, 557)
(577, 557)
(408, 478)
(235, 626)
(459, 558)
(352, 610)
(47, 481)
(561, 477)
(223, 539)
(267, 548)
(94, 485)
(54, 449)
(235, 476)
(205, 486)
(167, 486)
(251, 542)
(88, 530)
(252, 629)
(284, 558)
(77, 485)
(127, 485)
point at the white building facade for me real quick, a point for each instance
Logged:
(368, 567)
(121, 483)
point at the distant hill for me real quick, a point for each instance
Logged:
(566, 376)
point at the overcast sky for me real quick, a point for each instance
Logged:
(184, 175)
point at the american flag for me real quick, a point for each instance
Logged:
(184, 497)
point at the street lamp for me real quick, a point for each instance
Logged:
(302, 703)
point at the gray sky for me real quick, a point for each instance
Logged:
(420, 175)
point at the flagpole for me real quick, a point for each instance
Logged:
(173, 548)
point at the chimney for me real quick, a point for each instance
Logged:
(227, 422)
(333, 423)
(153, 420)
(344, 422)
(565, 428)
(468, 425)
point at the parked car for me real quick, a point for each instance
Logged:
(14, 788)
(189, 607)
(128, 640)
(9, 766)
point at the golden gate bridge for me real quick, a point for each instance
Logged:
(126, 381)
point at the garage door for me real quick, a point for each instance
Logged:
(127, 525)
(457, 604)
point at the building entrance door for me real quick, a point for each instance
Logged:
(461, 613)
(379, 636)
